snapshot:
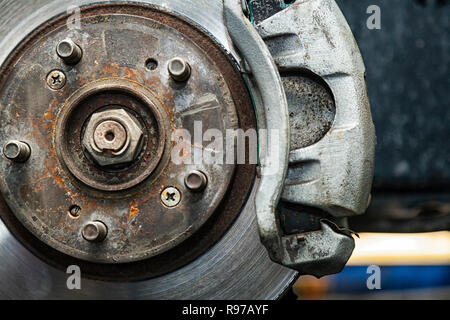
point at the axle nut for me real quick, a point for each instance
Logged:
(113, 137)
(110, 135)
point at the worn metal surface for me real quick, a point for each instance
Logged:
(272, 110)
(196, 181)
(73, 127)
(409, 109)
(54, 124)
(95, 231)
(318, 253)
(321, 252)
(237, 259)
(314, 36)
(171, 197)
(42, 10)
(311, 109)
(236, 267)
(56, 79)
(179, 69)
(17, 151)
(332, 169)
(69, 51)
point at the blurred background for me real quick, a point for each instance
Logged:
(405, 230)
(412, 266)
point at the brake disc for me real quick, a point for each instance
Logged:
(91, 97)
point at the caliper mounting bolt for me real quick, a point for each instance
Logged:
(69, 51)
(16, 151)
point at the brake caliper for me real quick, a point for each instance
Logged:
(308, 76)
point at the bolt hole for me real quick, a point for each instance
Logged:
(289, 1)
(151, 64)
(109, 136)
(74, 211)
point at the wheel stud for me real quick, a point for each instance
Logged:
(17, 151)
(95, 231)
(69, 51)
(195, 181)
(179, 70)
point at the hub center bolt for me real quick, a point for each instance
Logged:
(113, 137)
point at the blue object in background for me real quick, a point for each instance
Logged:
(354, 278)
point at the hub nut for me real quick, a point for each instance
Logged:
(110, 136)
(113, 137)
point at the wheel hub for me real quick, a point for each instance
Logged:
(99, 185)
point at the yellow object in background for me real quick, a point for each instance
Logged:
(382, 249)
(402, 249)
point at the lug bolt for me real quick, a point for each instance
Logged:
(17, 151)
(171, 197)
(195, 181)
(179, 69)
(69, 51)
(95, 231)
(56, 80)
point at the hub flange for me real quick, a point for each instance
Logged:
(125, 196)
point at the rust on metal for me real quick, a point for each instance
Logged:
(50, 188)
